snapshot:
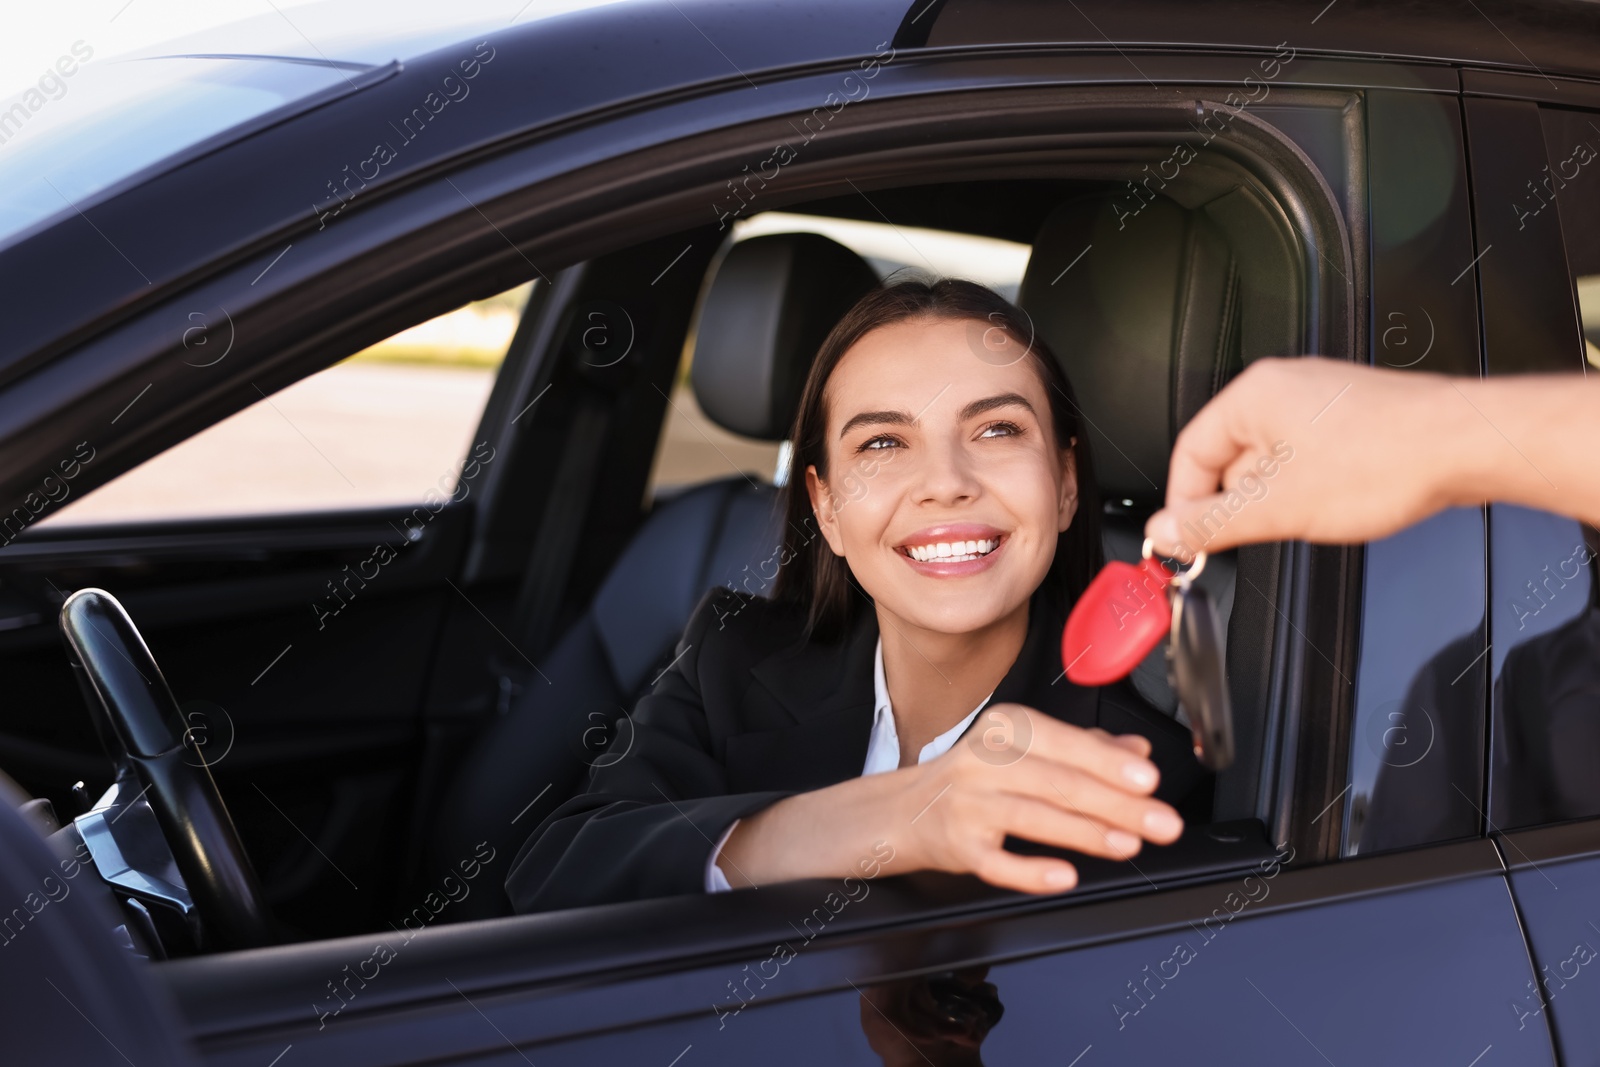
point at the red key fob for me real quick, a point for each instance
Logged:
(1123, 614)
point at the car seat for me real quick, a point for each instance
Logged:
(771, 302)
(1143, 315)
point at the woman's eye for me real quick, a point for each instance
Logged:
(878, 443)
(1007, 429)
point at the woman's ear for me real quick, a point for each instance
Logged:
(823, 506)
(1069, 486)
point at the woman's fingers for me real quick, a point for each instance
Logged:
(1087, 773)
(1025, 874)
(1060, 785)
(1087, 797)
(1139, 746)
(1059, 827)
(1092, 751)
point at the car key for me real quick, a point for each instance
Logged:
(1125, 612)
(1121, 616)
(1196, 674)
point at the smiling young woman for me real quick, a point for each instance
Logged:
(941, 518)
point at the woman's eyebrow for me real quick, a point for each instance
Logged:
(900, 418)
(989, 403)
(876, 418)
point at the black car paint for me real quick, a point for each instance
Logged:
(240, 1004)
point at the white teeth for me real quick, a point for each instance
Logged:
(952, 551)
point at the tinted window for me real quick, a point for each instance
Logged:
(1545, 618)
(1416, 743)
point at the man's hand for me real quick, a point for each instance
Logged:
(1322, 450)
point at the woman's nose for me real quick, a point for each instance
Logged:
(945, 475)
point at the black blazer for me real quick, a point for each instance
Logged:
(748, 714)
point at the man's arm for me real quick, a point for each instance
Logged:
(1327, 451)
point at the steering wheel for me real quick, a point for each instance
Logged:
(144, 732)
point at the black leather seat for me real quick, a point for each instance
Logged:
(771, 302)
(1144, 316)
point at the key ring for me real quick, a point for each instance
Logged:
(1182, 578)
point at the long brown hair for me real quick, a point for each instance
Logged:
(809, 573)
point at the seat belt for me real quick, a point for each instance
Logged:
(548, 569)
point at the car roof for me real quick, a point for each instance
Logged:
(1544, 35)
(559, 67)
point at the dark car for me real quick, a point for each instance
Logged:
(409, 385)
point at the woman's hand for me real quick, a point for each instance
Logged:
(1021, 773)
(1016, 772)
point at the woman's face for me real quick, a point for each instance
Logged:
(945, 491)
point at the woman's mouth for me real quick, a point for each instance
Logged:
(953, 552)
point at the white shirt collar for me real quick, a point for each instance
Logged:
(883, 748)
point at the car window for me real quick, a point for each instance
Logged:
(385, 426)
(1417, 730)
(87, 125)
(694, 449)
(1546, 627)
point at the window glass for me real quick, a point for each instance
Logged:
(1545, 655)
(694, 449)
(86, 126)
(382, 427)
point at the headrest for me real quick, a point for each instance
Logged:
(1141, 306)
(773, 300)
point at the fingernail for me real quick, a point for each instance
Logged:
(1122, 841)
(1162, 824)
(1140, 774)
(1058, 878)
(1163, 529)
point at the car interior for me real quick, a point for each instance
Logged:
(447, 712)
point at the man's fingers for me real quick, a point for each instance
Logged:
(1207, 525)
(1205, 447)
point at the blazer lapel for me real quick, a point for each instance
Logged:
(1036, 679)
(827, 690)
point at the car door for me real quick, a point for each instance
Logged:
(1257, 943)
(1535, 158)
(272, 562)
(1407, 956)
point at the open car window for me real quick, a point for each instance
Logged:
(693, 448)
(387, 425)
